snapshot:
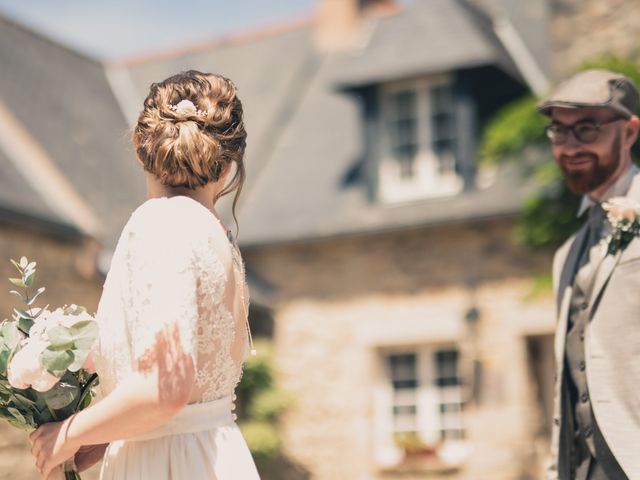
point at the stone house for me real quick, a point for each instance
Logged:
(405, 320)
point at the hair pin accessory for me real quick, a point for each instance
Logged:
(186, 107)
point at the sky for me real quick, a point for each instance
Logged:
(111, 29)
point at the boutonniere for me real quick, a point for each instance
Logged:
(624, 216)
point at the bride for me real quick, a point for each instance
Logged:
(173, 313)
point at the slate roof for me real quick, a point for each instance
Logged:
(532, 20)
(304, 130)
(430, 37)
(18, 199)
(64, 100)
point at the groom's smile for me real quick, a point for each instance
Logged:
(586, 165)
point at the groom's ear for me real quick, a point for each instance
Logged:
(631, 131)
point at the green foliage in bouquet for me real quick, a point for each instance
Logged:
(42, 354)
(67, 336)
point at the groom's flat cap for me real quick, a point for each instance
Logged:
(595, 88)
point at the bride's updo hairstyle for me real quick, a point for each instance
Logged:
(190, 130)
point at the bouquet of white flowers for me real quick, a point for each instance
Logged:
(42, 358)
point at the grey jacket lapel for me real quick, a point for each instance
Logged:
(609, 262)
(603, 273)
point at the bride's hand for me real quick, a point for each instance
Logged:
(50, 447)
(89, 455)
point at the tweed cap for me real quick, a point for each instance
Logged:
(595, 88)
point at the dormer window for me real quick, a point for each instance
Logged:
(418, 140)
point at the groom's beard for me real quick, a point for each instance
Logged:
(601, 168)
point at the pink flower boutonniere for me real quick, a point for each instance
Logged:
(624, 216)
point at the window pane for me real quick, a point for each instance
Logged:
(443, 127)
(453, 435)
(403, 366)
(404, 410)
(403, 384)
(404, 380)
(450, 394)
(403, 130)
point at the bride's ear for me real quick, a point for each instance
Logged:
(226, 171)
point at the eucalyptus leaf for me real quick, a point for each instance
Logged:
(5, 387)
(10, 334)
(18, 401)
(28, 279)
(16, 264)
(4, 361)
(23, 313)
(35, 296)
(80, 358)
(17, 415)
(24, 400)
(84, 343)
(21, 426)
(60, 338)
(17, 282)
(85, 329)
(25, 325)
(86, 401)
(56, 361)
(23, 262)
(61, 395)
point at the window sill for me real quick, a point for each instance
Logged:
(421, 464)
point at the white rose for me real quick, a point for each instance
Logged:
(621, 208)
(25, 369)
(44, 382)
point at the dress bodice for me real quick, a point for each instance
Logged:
(175, 275)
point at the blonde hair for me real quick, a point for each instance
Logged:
(185, 148)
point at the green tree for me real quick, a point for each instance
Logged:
(259, 405)
(516, 132)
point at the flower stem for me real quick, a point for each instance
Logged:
(86, 390)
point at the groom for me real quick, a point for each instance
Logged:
(596, 424)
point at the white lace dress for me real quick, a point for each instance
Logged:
(176, 276)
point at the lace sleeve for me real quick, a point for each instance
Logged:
(162, 308)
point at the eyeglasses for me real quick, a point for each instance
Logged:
(584, 132)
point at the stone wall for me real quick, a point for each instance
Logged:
(581, 29)
(58, 260)
(344, 300)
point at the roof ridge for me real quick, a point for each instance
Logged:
(239, 37)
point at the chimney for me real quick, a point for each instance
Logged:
(338, 21)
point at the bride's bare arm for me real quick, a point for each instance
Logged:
(147, 399)
(135, 407)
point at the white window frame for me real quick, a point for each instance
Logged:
(427, 180)
(429, 397)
